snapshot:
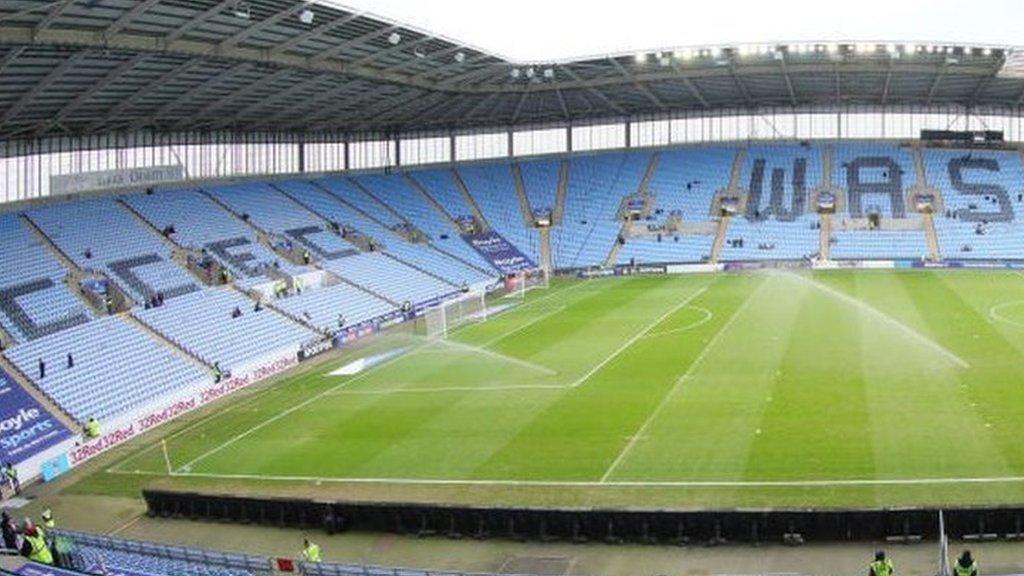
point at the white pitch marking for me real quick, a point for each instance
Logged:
(672, 391)
(279, 415)
(598, 484)
(862, 305)
(504, 335)
(407, 390)
(708, 315)
(636, 337)
(993, 313)
(495, 355)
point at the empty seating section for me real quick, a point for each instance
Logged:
(983, 194)
(684, 182)
(876, 178)
(322, 307)
(34, 299)
(597, 186)
(441, 186)
(201, 224)
(777, 223)
(417, 210)
(274, 213)
(540, 181)
(97, 554)
(103, 236)
(117, 367)
(203, 324)
(356, 193)
(418, 255)
(390, 278)
(494, 191)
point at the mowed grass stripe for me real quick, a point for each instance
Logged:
(367, 439)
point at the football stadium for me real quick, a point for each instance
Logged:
(290, 287)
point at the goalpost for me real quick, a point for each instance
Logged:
(518, 284)
(448, 316)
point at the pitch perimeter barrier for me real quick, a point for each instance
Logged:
(602, 525)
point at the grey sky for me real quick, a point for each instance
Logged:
(559, 29)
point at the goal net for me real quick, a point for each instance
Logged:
(516, 285)
(444, 318)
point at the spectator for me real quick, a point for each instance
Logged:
(258, 306)
(47, 517)
(35, 548)
(10, 535)
(236, 313)
(217, 372)
(71, 361)
(42, 369)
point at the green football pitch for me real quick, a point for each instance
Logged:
(770, 389)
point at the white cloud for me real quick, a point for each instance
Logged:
(560, 29)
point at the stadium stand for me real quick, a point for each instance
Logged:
(34, 299)
(117, 367)
(384, 197)
(219, 325)
(389, 278)
(422, 256)
(104, 555)
(685, 182)
(100, 235)
(982, 193)
(777, 224)
(492, 187)
(883, 173)
(540, 181)
(270, 210)
(200, 224)
(597, 185)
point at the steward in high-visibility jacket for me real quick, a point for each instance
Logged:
(882, 566)
(965, 565)
(35, 548)
(310, 552)
(47, 518)
(92, 428)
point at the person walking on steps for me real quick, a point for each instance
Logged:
(35, 548)
(11, 477)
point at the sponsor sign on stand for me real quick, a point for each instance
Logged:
(499, 252)
(26, 427)
(169, 409)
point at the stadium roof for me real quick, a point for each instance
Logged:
(74, 67)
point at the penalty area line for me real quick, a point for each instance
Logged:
(823, 483)
(636, 337)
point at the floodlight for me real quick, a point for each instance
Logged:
(460, 57)
(306, 16)
(549, 73)
(987, 51)
(640, 57)
(530, 72)
(394, 38)
(241, 10)
(419, 53)
(515, 73)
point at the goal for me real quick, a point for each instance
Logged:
(516, 285)
(449, 316)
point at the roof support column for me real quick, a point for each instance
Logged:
(347, 153)
(568, 137)
(629, 134)
(510, 144)
(398, 151)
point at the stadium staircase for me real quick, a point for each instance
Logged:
(735, 174)
(545, 249)
(524, 203)
(415, 185)
(166, 342)
(271, 305)
(626, 232)
(927, 219)
(558, 214)
(652, 168)
(262, 236)
(825, 237)
(179, 254)
(37, 394)
(461, 185)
